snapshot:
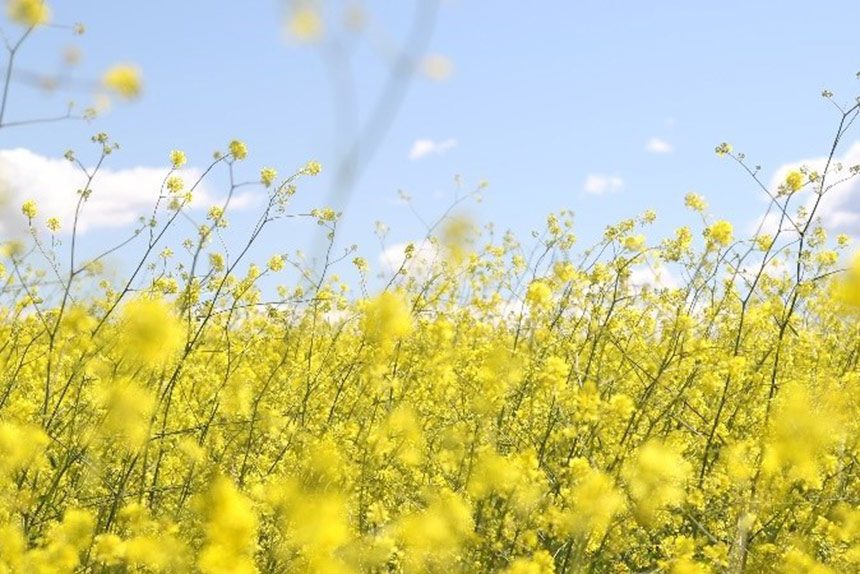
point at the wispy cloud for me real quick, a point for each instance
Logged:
(598, 184)
(656, 145)
(394, 257)
(422, 148)
(118, 197)
(654, 277)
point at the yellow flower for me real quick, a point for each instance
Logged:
(177, 158)
(77, 527)
(386, 318)
(695, 202)
(150, 331)
(687, 565)
(539, 294)
(541, 562)
(109, 549)
(594, 503)
(28, 12)
(123, 79)
(764, 241)
(276, 263)
(216, 260)
(848, 287)
(305, 24)
(313, 168)
(127, 410)
(564, 271)
(20, 446)
(798, 562)
(360, 264)
(174, 184)
(794, 180)
(28, 208)
(435, 534)
(723, 149)
(656, 478)
(238, 150)
(634, 242)
(827, 258)
(53, 224)
(721, 232)
(267, 176)
(231, 531)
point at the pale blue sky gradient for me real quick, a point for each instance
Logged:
(543, 94)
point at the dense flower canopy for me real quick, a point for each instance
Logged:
(493, 409)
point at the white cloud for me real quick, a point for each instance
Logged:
(422, 148)
(775, 267)
(656, 145)
(119, 196)
(597, 184)
(839, 209)
(425, 256)
(655, 277)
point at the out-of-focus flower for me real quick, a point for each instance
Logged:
(124, 80)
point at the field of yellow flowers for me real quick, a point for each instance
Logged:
(494, 409)
(497, 407)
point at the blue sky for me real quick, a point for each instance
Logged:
(543, 95)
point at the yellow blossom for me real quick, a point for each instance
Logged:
(231, 531)
(151, 332)
(124, 79)
(238, 150)
(313, 168)
(28, 208)
(276, 263)
(695, 202)
(28, 12)
(794, 180)
(267, 176)
(386, 318)
(177, 158)
(539, 294)
(305, 24)
(721, 233)
(109, 549)
(656, 478)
